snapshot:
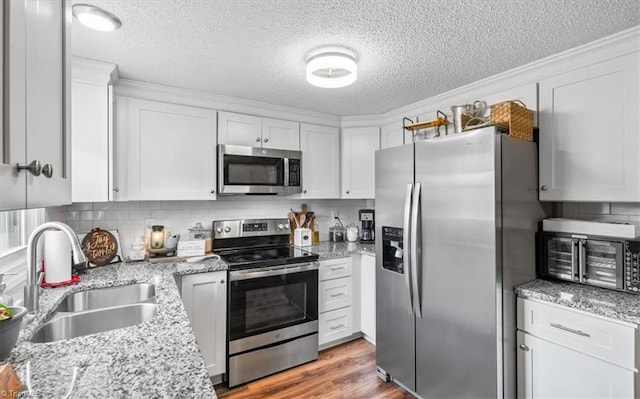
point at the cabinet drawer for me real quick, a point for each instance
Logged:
(335, 325)
(335, 268)
(335, 294)
(606, 339)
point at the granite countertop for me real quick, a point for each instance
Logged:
(159, 358)
(329, 249)
(617, 305)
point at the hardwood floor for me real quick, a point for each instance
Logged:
(344, 371)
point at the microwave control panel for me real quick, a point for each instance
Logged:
(294, 172)
(632, 266)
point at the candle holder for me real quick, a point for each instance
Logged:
(156, 238)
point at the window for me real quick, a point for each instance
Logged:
(15, 227)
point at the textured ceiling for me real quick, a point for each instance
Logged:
(407, 50)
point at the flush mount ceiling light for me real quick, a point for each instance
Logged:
(331, 68)
(95, 17)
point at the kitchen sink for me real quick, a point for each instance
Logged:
(100, 298)
(71, 325)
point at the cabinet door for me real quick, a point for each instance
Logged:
(547, 370)
(205, 300)
(172, 152)
(590, 133)
(90, 144)
(392, 135)
(279, 134)
(320, 147)
(239, 129)
(48, 93)
(13, 191)
(368, 296)
(358, 161)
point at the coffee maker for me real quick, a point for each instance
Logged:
(367, 220)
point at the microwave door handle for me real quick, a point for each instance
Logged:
(406, 238)
(415, 262)
(286, 172)
(582, 256)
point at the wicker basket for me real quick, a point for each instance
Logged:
(514, 118)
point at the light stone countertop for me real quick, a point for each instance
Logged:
(156, 359)
(328, 249)
(159, 358)
(616, 305)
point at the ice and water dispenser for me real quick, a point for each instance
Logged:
(392, 252)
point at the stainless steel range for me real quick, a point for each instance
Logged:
(272, 299)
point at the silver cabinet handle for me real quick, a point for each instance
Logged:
(116, 189)
(213, 191)
(524, 347)
(571, 330)
(337, 327)
(47, 170)
(258, 139)
(347, 191)
(222, 281)
(266, 139)
(336, 295)
(34, 167)
(337, 268)
(304, 191)
(543, 188)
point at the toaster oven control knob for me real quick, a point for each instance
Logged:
(227, 229)
(281, 226)
(218, 229)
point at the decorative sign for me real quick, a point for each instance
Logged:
(101, 247)
(191, 248)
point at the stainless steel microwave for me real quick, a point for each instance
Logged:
(605, 262)
(252, 170)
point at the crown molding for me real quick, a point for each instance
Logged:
(90, 71)
(612, 46)
(155, 92)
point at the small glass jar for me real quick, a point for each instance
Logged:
(199, 232)
(156, 238)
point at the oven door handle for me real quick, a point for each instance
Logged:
(237, 275)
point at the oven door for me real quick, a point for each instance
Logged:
(252, 170)
(270, 305)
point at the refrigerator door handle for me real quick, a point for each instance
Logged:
(407, 245)
(415, 261)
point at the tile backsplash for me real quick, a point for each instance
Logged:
(619, 212)
(131, 218)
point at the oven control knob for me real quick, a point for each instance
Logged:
(218, 229)
(227, 229)
(281, 226)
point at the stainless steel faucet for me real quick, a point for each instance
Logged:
(31, 290)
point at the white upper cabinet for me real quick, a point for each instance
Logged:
(590, 133)
(164, 151)
(92, 131)
(320, 147)
(358, 161)
(279, 134)
(254, 131)
(37, 105)
(393, 135)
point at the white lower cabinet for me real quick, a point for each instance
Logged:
(564, 353)
(205, 299)
(335, 300)
(368, 297)
(548, 370)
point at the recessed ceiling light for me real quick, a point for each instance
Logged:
(332, 69)
(95, 17)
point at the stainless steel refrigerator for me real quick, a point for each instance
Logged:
(456, 218)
